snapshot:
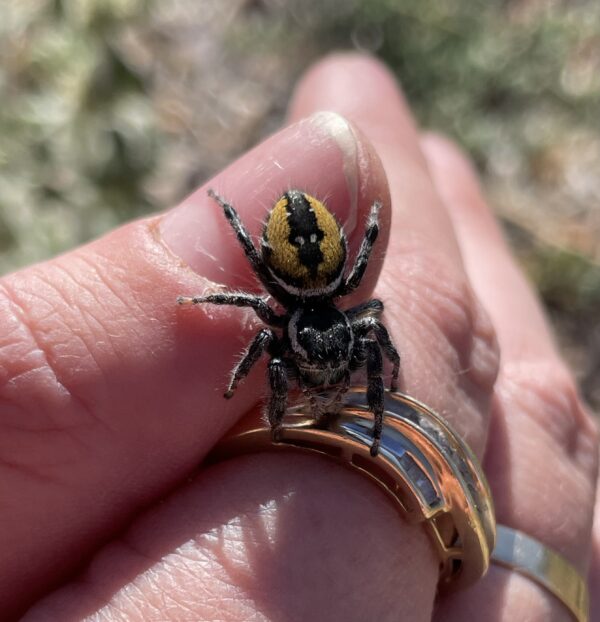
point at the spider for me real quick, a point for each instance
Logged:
(301, 264)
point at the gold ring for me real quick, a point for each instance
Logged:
(527, 556)
(424, 467)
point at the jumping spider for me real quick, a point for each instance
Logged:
(301, 264)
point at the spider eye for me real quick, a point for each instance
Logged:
(303, 244)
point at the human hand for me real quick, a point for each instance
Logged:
(111, 395)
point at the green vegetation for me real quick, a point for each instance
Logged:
(78, 136)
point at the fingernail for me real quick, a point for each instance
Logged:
(319, 155)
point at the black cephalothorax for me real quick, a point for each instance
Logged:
(301, 264)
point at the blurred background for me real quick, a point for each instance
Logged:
(112, 109)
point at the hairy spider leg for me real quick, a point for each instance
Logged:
(370, 308)
(336, 402)
(375, 389)
(242, 299)
(315, 407)
(252, 254)
(278, 381)
(262, 340)
(363, 327)
(366, 246)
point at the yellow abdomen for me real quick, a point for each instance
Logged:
(303, 244)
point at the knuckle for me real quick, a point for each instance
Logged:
(35, 406)
(442, 301)
(21, 336)
(54, 354)
(548, 394)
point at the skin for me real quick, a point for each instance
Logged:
(111, 395)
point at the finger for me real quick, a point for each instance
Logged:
(446, 342)
(109, 392)
(257, 538)
(542, 454)
(478, 231)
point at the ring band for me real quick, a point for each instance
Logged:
(432, 476)
(527, 556)
(425, 468)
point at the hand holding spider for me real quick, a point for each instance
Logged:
(112, 397)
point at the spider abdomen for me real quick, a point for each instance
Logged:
(304, 246)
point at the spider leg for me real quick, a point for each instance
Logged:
(362, 258)
(261, 308)
(389, 349)
(245, 240)
(363, 327)
(335, 403)
(375, 390)
(262, 340)
(313, 403)
(279, 389)
(371, 308)
(359, 355)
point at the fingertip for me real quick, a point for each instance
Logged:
(453, 174)
(457, 182)
(448, 164)
(441, 150)
(342, 71)
(365, 91)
